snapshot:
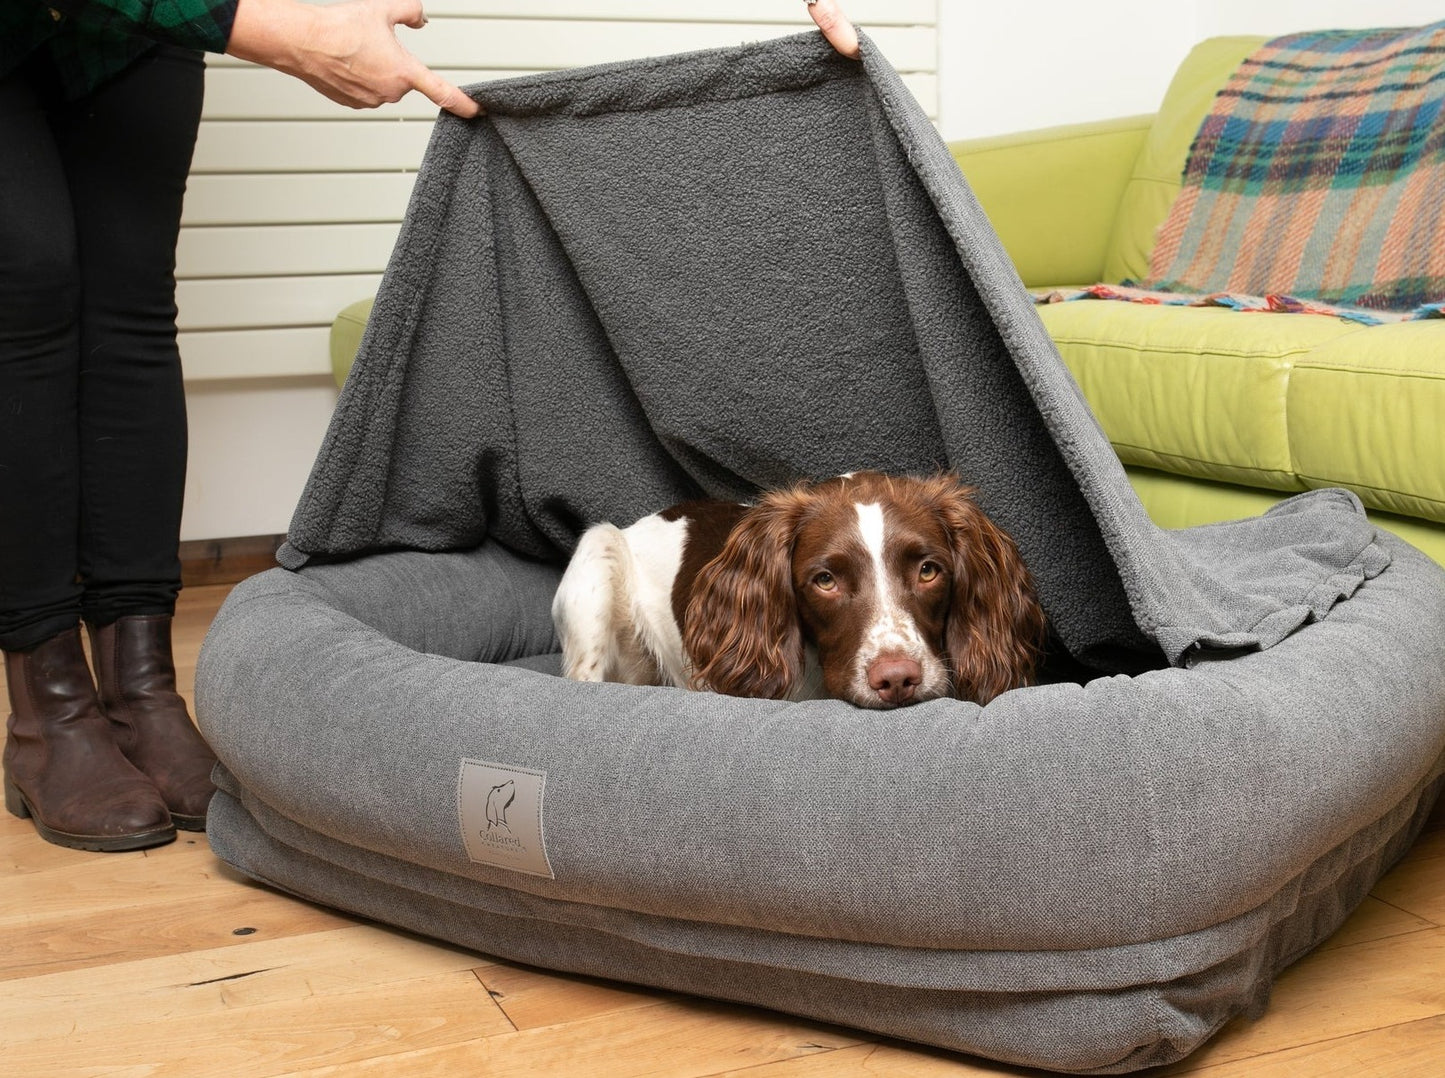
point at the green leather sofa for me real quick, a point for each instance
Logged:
(1216, 413)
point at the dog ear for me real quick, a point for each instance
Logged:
(741, 631)
(995, 624)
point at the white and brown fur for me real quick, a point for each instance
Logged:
(879, 590)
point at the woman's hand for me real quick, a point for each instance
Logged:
(835, 26)
(347, 51)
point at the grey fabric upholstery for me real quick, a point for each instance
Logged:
(715, 273)
(1085, 877)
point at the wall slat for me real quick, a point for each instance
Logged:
(294, 202)
(550, 44)
(296, 199)
(244, 146)
(252, 93)
(227, 355)
(866, 13)
(269, 302)
(285, 250)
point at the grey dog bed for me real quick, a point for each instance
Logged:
(715, 273)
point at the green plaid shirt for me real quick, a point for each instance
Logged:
(91, 40)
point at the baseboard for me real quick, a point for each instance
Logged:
(227, 561)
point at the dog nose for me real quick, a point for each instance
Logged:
(894, 679)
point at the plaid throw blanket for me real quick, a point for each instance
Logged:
(1319, 174)
(1272, 303)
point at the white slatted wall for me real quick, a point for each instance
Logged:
(294, 203)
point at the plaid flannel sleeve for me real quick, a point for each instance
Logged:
(196, 24)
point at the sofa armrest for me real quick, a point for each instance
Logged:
(346, 331)
(1052, 195)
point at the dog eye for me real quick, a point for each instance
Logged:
(928, 571)
(825, 581)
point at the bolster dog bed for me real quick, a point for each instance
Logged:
(716, 273)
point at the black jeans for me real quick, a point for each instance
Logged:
(92, 405)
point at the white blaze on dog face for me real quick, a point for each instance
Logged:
(893, 630)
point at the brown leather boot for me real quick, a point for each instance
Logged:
(63, 768)
(137, 678)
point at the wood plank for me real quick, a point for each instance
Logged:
(362, 144)
(683, 1038)
(341, 1028)
(257, 93)
(580, 43)
(297, 198)
(223, 355)
(876, 1061)
(565, 43)
(1414, 885)
(1338, 992)
(268, 302)
(510, 44)
(227, 561)
(238, 913)
(71, 887)
(532, 998)
(284, 250)
(193, 986)
(901, 12)
(1375, 920)
(195, 608)
(1409, 1050)
(254, 93)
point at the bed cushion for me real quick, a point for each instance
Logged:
(1084, 877)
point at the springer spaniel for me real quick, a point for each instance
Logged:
(878, 590)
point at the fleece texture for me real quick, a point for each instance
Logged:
(725, 271)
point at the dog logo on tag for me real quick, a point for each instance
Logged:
(499, 808)
(499, 799)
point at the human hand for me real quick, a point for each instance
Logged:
(835, 26)
(346, 51)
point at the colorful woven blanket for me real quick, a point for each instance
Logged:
(1272, 302)
(1319, 174)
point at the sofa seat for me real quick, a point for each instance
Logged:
(1365, 413)
(1201, 391)
(1285, 402)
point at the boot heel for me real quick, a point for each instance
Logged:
(15, 802)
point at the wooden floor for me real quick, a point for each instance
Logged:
(166, 962)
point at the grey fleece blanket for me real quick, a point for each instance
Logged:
(720, 272)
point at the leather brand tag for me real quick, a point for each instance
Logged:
(500, 808)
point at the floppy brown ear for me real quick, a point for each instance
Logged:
(741, 630)
(995, 625)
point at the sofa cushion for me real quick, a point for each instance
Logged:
(1364, 412)
(1200, 391)
(346, 331)
(1160, 166)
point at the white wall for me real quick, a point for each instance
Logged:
(293, 206)
(1286, 16)
(1011, 67)
(1014, 66)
